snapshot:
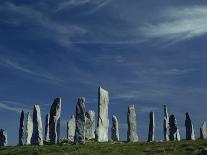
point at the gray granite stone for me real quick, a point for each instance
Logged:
(21, 129)
(203, 133)
(3, 137)
(47, 128)
(115, 129)
(29, 129)
(90, 124)
(166, 124)
(71, 128)
(80, 122)
(190, 135)
(151, 133)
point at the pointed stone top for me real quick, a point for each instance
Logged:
(81, 99)
(36, 107)
(72, 116)
(131, 106)
(102, 90)
(57, 100)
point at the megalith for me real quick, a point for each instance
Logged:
(29, 129)
(71, 128)
(151, 132)
(173, 129)
(90, 124)
(190, 135)
(47, 128)
(21, 129)
(115, 129)
(203, 134)
(3, 137)
(166, 124)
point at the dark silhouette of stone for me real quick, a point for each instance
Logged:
(203, 134)
(132, 124)
(21, 129)
(151, 134)
(54, 124)
(3, 137)
(174, 131)
(80, 122)
(103, 121)
(37, 138)
(47, 128)
(190, 135)
(115, 129)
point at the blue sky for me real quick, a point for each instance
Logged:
(143, 52)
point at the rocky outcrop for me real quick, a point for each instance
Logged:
(132, 124)
(3, 137)
(21, 129)
(151, 133)
(173, 129)
(103, 121)
(37, 138)
(90, 124)
(29, 129)
(71, 129)
(115, 129)
(203, 134)
(47, 128)
(166, 124)
(80, 122)
(54, 124)
(190, 135)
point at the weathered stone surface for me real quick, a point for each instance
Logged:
(90, 124)
(166, 124)
(151, 134)
(203, 134)
(37, 138)
(47, 128)
(132, 124)
(29, 129)
(103, 121)
(21, 129)
(3, 137)
(190, 135)
(173, 130)
(71, 128)
(115, 129)
(54, 124)
(80, 122)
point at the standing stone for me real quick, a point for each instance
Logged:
(132, 124)
(203, 134)
(115, 129)
(166, 124)
(173, 130)
(80, 122)
(103, 121)
(29, 129)
(37, 138)
(90, 124)
(190, 135)
(21, 129)
(3, 137)
(151, 134)
(71, 129)
(47, 131)
(54, 124)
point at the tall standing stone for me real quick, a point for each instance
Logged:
(29, 129)
(21, 129)
(54, 124)
(47, 129)
(103, 121)
(203, 134)
(3, 137)
(80, 122)
(115, 129)
(166, 124)
(173, 129)
(151, 134)
(71, 128)
(190, 135)
(37, 138)
(90, 124)
(132, 124)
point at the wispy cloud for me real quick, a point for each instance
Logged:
(13, 106)
(178, 24)
(96, 4)
(60, 33)
(22, 68)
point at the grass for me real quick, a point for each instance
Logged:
(109, 148)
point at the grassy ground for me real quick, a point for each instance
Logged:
(141, 148)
